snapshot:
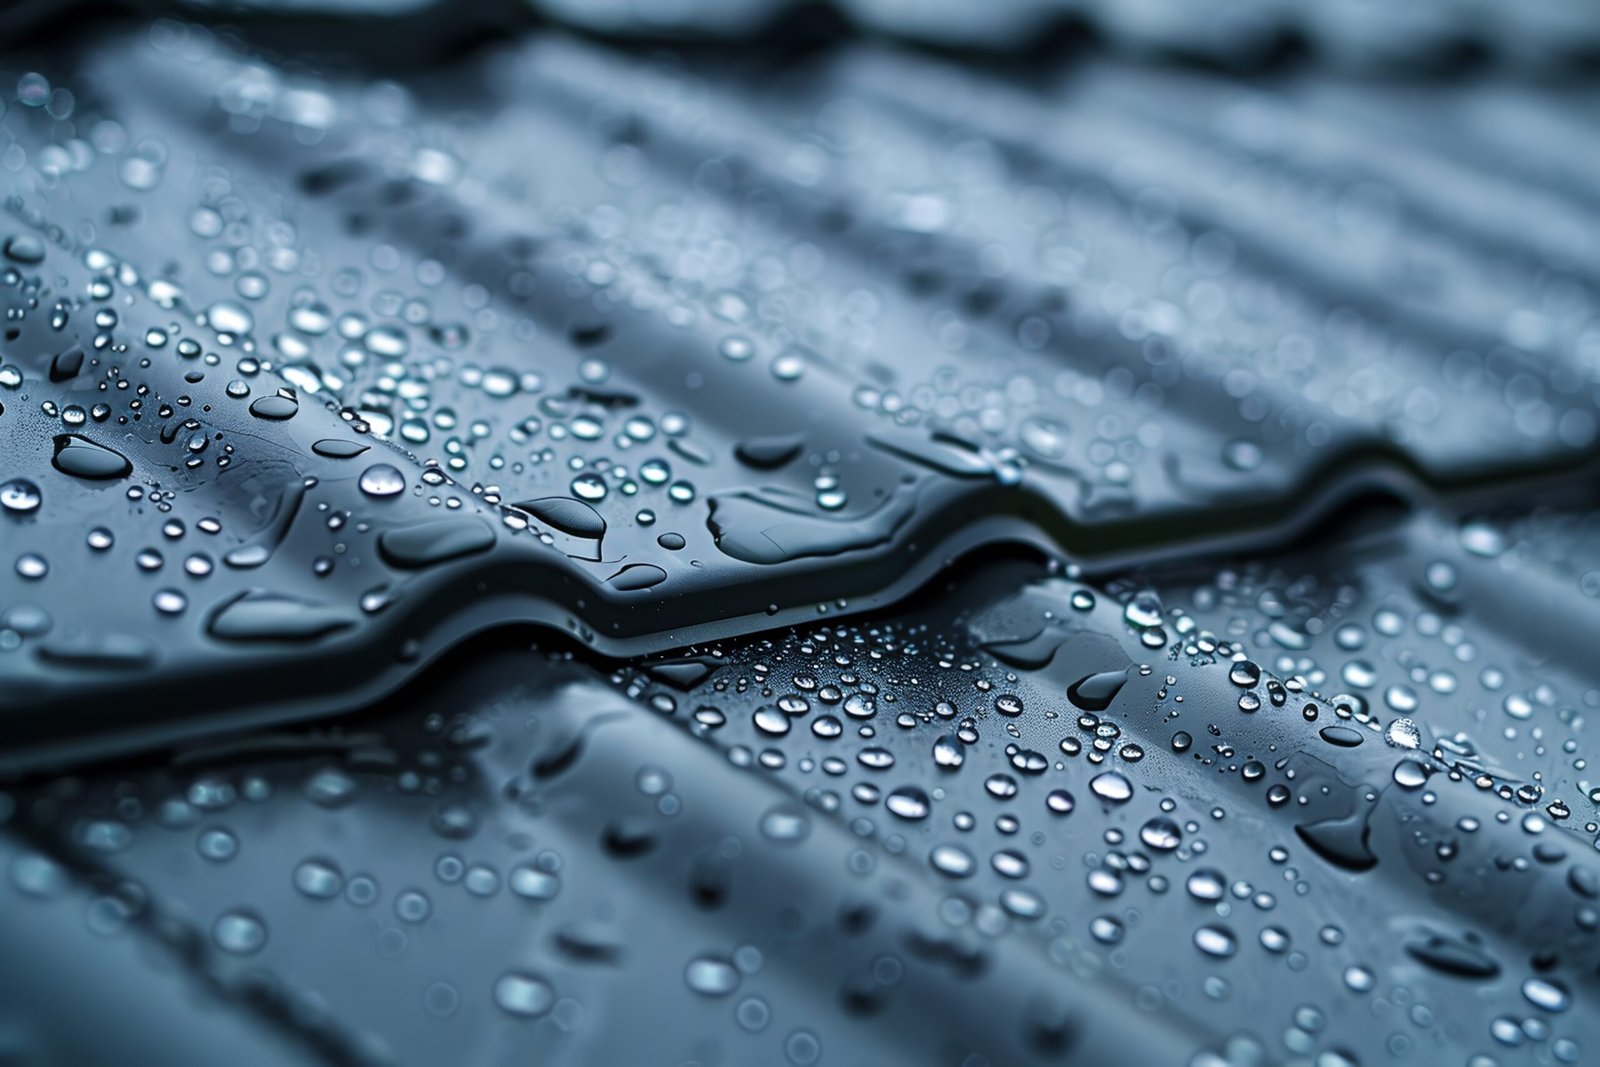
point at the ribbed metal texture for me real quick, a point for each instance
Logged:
(720, 553)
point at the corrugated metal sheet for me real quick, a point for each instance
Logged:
(1230, 437)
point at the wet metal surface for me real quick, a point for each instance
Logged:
(615, 551)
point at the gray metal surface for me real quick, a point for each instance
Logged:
(1068, 561)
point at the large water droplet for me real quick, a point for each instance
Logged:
(1547, 994)
(83, 458)
(382, 480)
(1453, 955)
(1161, 834)
(572, 517)
(769, 453)
(257, 615)
(1342, 841)
(279, 406)
(430, 543)
(948, 752)
(636, 576)
(334, 448)
(24, 248)
(1097, 691)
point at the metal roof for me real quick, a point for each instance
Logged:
(630, 542)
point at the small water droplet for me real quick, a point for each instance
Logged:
(524, 995)
(240, 933)
(20, 497)
(711, 977)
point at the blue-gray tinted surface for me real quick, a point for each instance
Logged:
(773, 533)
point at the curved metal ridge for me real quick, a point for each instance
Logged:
(554, 341)
(1240, 759)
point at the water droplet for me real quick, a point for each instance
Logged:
(413, 906)
(240, 933)
(1112, 787)
(711, 977)
(909, 802)
(1143, 611)
(1482, 539)
(1359, 979)
(524, 995)
(226, 317)
(769, 453)
(952, 861)
(1342, 736)
(1206, 884)
(382, 480)
(637, 576)
(1403, 733)
(1547, 994)
(334, 448)
(260, 616)
(1009, 863)
(1161, 834)
(1409, 774)
(430, 543)
(83, 458)
(283, 404)
(1216, 941)
(1097, 691)
(1341, 841)
(25, 248)
(948, 752)
(534, 883)
(217, 845)
(20, 497)
(1244, 674)
(786, 824)
(318, 879)
(1453, 955)
(771, 721)
(589, 487)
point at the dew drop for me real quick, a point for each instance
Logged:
(20, 497)
(711, 977)
(524, 995)
(1216, 941)
(382, 480)
(239, 933)
(1112, 787)
(909, 802)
